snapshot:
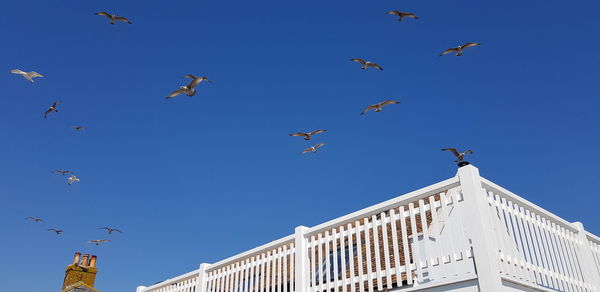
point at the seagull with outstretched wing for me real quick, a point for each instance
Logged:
(402, 14)
(113, 18)
(459, 156)
(307, 135)
(366, 64)
(98, 241)
(378, 106)
(313, 149)
(458, 50)
(63, 172)
(34, 219)
(52, 108)
(57, 231)
(27, 75)
(110, 230)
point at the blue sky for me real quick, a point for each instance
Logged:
(194, 180)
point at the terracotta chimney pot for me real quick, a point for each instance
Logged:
(93, 261)
(76, 258)
(84, 261)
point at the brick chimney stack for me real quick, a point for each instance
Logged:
(81, 272)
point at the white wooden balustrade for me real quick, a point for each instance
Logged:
(465, 231)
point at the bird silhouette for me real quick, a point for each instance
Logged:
(113, 18)
(34, 219)
(110, 230)
(57, 231)
(366, 64)
(459, 49)
(402, 14)
(63, 172)
(379, 106)
(308, 134)
(27, 75)
(459, 156)
(72, 179)
(313, 149)
(78, 128)
(52, 108)
(98, 241)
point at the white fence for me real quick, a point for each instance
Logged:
(427, 238)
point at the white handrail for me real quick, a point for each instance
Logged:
(171, 281)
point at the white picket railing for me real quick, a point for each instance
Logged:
(430, 237)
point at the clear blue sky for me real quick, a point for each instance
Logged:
(194, 180)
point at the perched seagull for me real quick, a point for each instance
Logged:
(459, 49)
(111, 230)
(63, 172)
(459, 156)
(78, 128)
(195, 80)
(57, 231)
(313, 149)
(27, 75)
(113, 18)
(402, 14)
(52, 108)
(182, 89)
(366, 64)
(98, 241)
(379, 106)
(307, 135)
(72, 179)
(35, 219)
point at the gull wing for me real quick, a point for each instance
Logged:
(389, 102)
(375, 66)
(358, 60)
(317, 132)
(450, 50)
(453, 150)
(368, 109)
(468, 45)
(177, 92)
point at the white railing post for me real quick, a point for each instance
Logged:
(301, 259)
(202, 275)
(586, 258)
(140, 288)
(479, 231)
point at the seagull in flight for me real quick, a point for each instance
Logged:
(113, 18)
(459, 156)
(189, 89)
(52, 108)
(78, 128)
(111, 230)
(34, 219)
(27, 75)
(313, 149)
(379, 106)
(402, 14)
(63, 172)
(459, 49)
(57, 231)
(196, 80)
(72, 179)
(98, 241)
(366, 64)
(308, 134)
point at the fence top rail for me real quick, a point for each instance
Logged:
(525, 203)
(592, 237)
(384, 206)
(253, 252)
(171, 281)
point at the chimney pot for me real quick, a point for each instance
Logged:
(93, 261)
(76, 258)
(84, 261)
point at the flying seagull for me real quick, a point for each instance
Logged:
(78, 128)
(459, 49)
(113, 18)
(63, 172)
(379, 106)
(72, 179)
(111, 230)
(366, 64)
(196, 80)
(402, 14)
(52, 108)
(57, 231)
(34, 219)
(98, 241)
(27, 75)
(307, 135)
(459, 156)
(182, 89)
(313, 149)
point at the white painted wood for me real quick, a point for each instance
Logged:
(320, 265)
(376, 253)
(484, 248)
(586, 258)
(428, 256)
(351, 255)
(360, 257)
(327, 280)
(369, 262)
(407, 259)
(415, 242)
(335, 258)
(395, 247)
(386, 250)
(344, 277)
(201, 281)
(285, 268)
